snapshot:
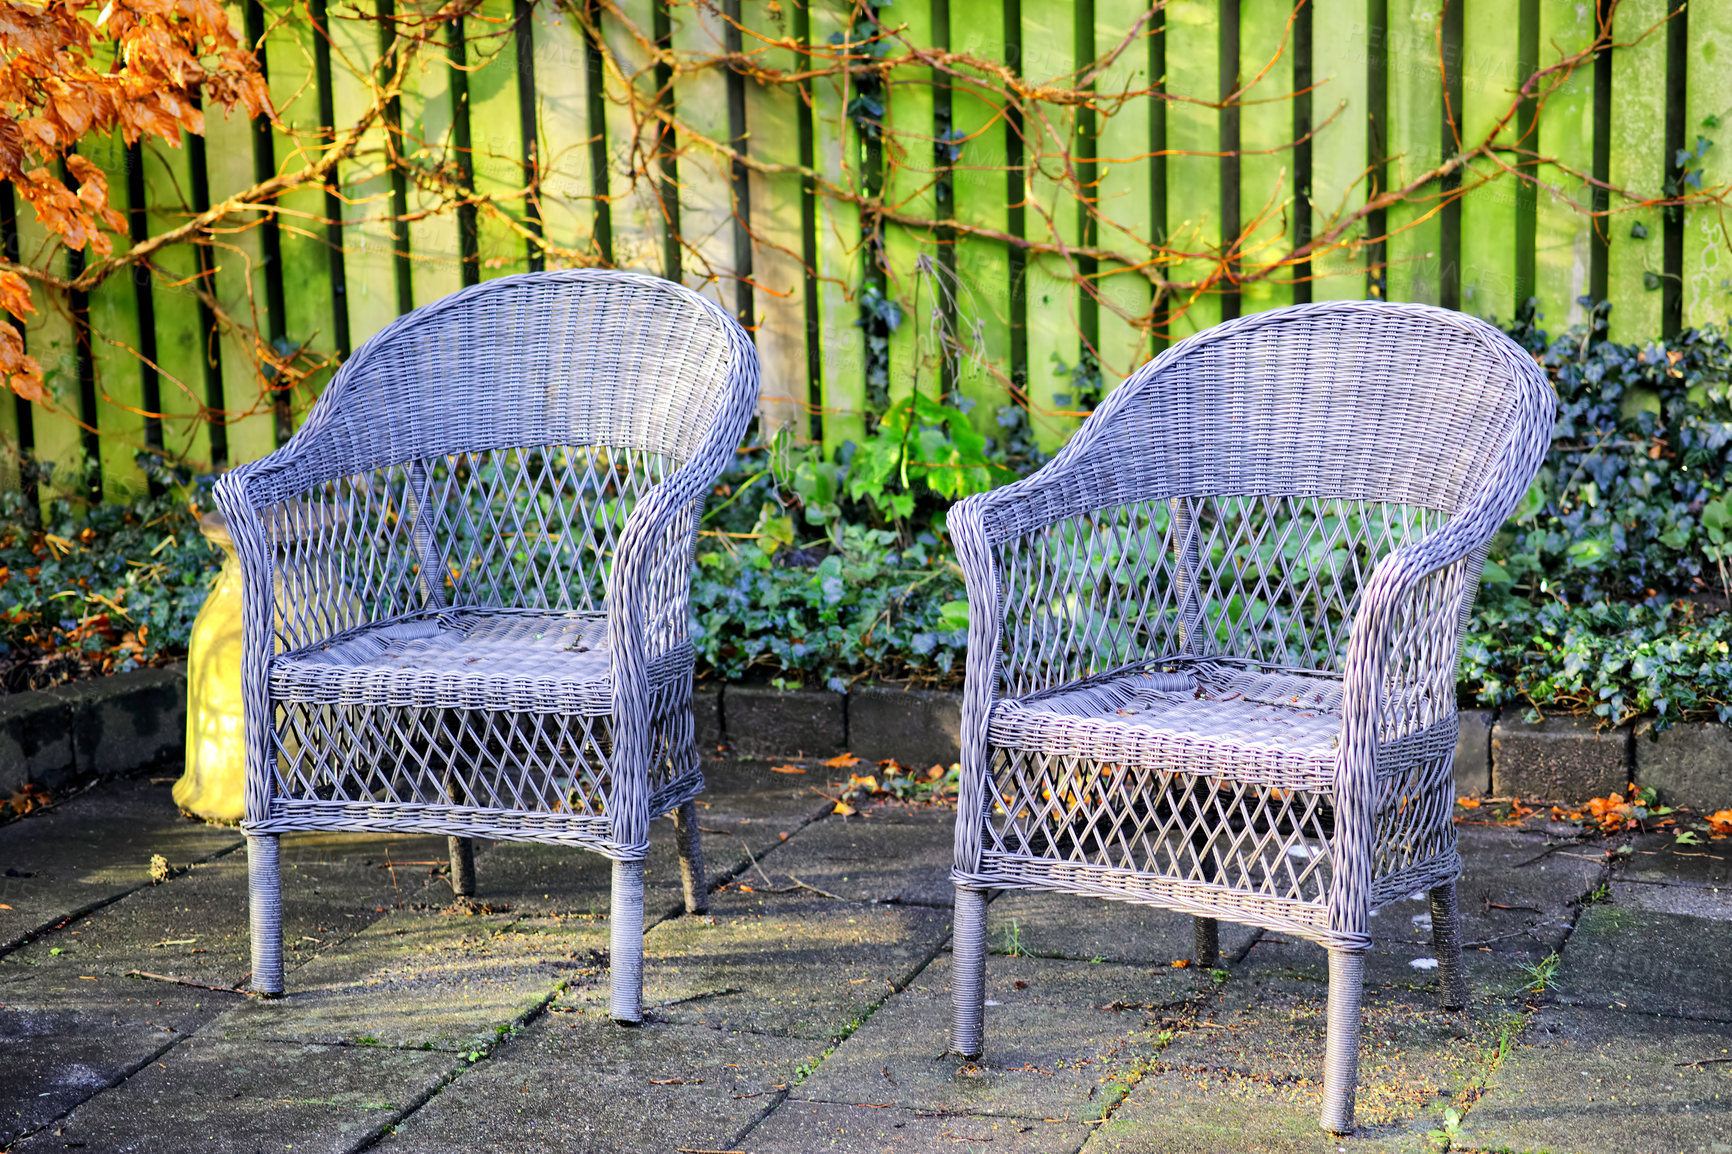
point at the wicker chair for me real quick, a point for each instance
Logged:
(467, 581)
(1212, 644)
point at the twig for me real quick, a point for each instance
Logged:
(1703, 1062)
(188, 982)
(816, 890)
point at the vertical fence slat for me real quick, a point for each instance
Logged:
(773, 113)
(843, 362)
(368, 246)
(114, 343)
(1566, 132)
(1708, 114)
(627, 28)
(48, 333)
(1122, 168)
(1639, 165)
(705, 192)
(1266, 178)
(908, 189)
(239, 286)
(1488, 214)
(428, 147)
(1049, 57)
(977, 185)
(1415, 130)
(180, 341)
(1340, 45)
(1193, 180)
(496, 136)
(309, 305)
(562, 120)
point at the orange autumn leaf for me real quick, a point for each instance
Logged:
(1720, 822)
(1468, 802)
(15, 295)
(786, 769)
(843, 761)
(21, 372)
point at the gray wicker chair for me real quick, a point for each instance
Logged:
(1212, 644)
(467, 581)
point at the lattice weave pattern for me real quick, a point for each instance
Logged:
(1212, 644)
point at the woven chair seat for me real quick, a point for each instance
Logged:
(530, 662)
(1278, 728)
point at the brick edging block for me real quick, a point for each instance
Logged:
(99, 728)
(1559, 758)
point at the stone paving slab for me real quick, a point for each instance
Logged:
(798, 1127)
(424, 981)
(94, 848)
(1180, 1113)
(1588, 1081)
(195, 927)
(215, 1097)
(780, 963)
(1085, 928)
(577, 1082)
(63, 1044)
(885, 853)
(1657, 857)
(1057, 1035)
(1644, 962)
(1414, 1058)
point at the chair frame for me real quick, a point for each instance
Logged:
(704, 361)
(1083, 479)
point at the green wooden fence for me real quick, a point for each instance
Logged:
(1339, 100)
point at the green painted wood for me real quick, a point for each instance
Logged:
(778, 266)
(1566, 132)
(180, 341)
(49, 336)
(114, 346)
(1122, 168)
(365, 185)
(910, 173)
(633, 189)
(1708, 112)
(496, 137)
(706, 202)
(1639, 165)
(239, 287)
(1266, 178)
(1338, 151)
(309, 307)
(435, 249)
(1193, 171)
(562, 116)
(842, 359)
(1049, 56)
(1416, 121)
(978, 188)
(1489, 84)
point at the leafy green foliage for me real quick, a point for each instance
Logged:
(1607, 590)
(106, 590)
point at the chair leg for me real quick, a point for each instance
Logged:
(1446, 943)
(1208, 942)
(691, 858)
(626, 948)
(462, 866)
(265, 899)
(1341, 1049)
(968, 974)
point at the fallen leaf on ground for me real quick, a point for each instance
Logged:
(843, 761)
(786, 769)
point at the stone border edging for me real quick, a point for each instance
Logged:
(114, 725)
(105, 727)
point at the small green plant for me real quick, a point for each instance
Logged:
(1220, 976)
(158, 868)
(1013, 946)
(1598, 894)
(1541, 975)
(1448, 1129)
